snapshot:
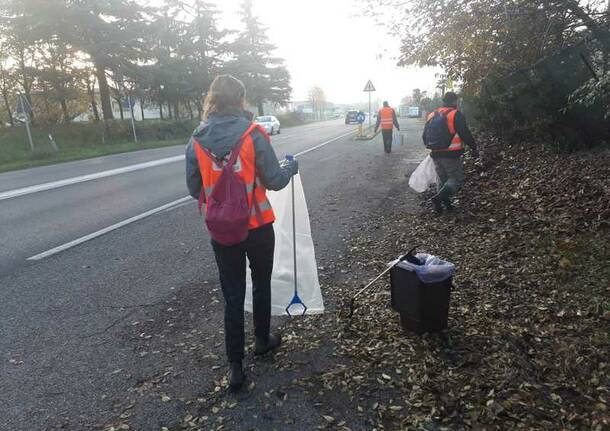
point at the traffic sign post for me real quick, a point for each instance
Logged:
(24, 108)
(122, 89)
(369, 88)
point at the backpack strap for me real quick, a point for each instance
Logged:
(234, 154)
(237, 148)
(230, 163)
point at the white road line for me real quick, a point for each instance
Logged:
(325, 143)
(83, 178)
(108, 229)
(167, 207)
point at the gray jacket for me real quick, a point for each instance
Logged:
(219, 135)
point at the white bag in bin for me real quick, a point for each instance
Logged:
(432, 270)
(423, 176)
(282, 278)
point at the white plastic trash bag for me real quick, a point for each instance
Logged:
(432, 270)
(423, 176)
(282, 279)
(396, 139)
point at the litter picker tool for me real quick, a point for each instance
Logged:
(410, 257)
(296, 300)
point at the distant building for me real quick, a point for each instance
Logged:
(150, 111)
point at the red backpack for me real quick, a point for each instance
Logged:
(227, 211)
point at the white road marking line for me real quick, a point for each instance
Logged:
(89, 177)
(101, 232)
(167, 207)
(325, 143)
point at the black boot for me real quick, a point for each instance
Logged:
(436, 204)
(236, 376)
(448, 205)
(274, 341)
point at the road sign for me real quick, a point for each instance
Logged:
(369, 86)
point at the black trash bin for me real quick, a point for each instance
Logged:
(423, 307)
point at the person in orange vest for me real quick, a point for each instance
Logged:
(225, 123)
(448, 161)
(386, 118)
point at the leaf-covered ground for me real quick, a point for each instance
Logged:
(528, 342)
(528, 339)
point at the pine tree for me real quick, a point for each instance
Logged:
(206, 49)
(265, 76)
(110, 33)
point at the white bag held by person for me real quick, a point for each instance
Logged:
(423, 176)
(396, 139)
(282, 279)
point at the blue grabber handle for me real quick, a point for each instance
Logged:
(295, 299)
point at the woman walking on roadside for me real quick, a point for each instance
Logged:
(228, 136)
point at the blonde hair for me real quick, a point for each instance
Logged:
(226, 92)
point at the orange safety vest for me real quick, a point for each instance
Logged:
(456, 143)
(245, 167)
(387, 118)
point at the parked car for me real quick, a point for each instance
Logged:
(269, 123)
(351, 117)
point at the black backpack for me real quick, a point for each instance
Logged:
(436, 132)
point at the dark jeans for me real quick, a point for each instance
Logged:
(450, 171)
(387, 139)
(231, 260)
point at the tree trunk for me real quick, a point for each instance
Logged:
(96, 112)
(169, 110)
(259, 106)
(47, 105)
(142, 107)
(199, 109)
(100, 72)
(91, 91)
(177, 110)
(64, 110)
(118, 100)
(190, 109)
(8, 108)
(161, 110)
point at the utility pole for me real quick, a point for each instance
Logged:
(369, 109)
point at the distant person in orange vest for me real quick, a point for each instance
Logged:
(446, 134)
(227, 126)
(386, 118)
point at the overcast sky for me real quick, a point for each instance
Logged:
(328, 43)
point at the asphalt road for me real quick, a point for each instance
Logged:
(70, 324)
(34, 223)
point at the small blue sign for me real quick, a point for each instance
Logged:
(360, 117)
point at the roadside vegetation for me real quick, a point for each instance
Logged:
(77, 141)
(535, 70)
(105, 62)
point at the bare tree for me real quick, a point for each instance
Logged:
(318, 101)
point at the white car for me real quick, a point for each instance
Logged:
(269, 123)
